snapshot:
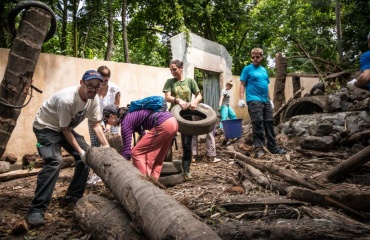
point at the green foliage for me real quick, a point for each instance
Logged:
(296, 28)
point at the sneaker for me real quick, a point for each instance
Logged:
(35, 219)
(278, 151)
(187, 176)
(93, 179)
(69, 200)
(259, 153)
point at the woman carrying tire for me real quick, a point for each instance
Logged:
(179, 90)
(157, 130)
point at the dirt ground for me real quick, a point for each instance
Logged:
(213, 182)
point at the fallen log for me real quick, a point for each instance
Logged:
(153, 211)
(355, 137)
(68, 161)
(348, 166)
(268, 166)
(300, 229)
(18, 174)
(242, 202)
(260, 179)
(324, 198)
(104, 219)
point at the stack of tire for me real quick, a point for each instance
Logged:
(171, 173)
(206, 120)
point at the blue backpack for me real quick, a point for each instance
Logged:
(155, 103)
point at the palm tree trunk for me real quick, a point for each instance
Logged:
(23, 57)
(152, 210)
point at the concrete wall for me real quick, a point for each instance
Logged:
(56, 72)
(135, 81)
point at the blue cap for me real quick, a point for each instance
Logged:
(92, 74)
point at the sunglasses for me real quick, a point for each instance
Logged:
(257, 57)
(91, 87)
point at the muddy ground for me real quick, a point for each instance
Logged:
(212, 184)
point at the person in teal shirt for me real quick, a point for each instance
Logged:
(363, 81)
(254, 88)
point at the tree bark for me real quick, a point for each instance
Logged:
(281, 73)
(300, 229)
(153, 211)
(260, 179)
(124, 31)
(351, 201)
(23, 57)
(104, 219)
(349, 165)
(109, 51)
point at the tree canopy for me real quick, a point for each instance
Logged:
(315, 35)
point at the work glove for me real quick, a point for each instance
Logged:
(272, 104)
(242, 103)
(351, 84)
(83, 156)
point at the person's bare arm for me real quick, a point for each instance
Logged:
(363, 79)
(67, 132)
(197, 99)
(242, 90)
(221, 99)
(117, 99)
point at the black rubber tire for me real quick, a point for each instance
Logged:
(189, 127)
(27, 4)
(170, 168)
(172, 180)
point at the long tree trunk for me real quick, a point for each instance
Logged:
(279, 90)
(124, 31)
(153, 211)
(339, 30)
(63, 40)
(23, 57)
(75, 29)
(92, 212)
(109, 51)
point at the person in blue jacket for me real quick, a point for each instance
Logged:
(363, 81)
(254, 87)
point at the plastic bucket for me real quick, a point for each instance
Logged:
(232, 128)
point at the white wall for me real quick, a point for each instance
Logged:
(135, 81)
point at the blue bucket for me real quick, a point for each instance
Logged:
(232, 128)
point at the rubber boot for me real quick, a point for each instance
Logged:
(186, 169)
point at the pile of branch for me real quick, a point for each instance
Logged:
(295, 194)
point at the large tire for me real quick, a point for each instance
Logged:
(172, 180)
(25, 5)
(190, 127)
(170, 168)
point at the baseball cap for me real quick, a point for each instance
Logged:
(110, 109)
(92, 74)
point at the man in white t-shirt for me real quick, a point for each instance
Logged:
(53, 127)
